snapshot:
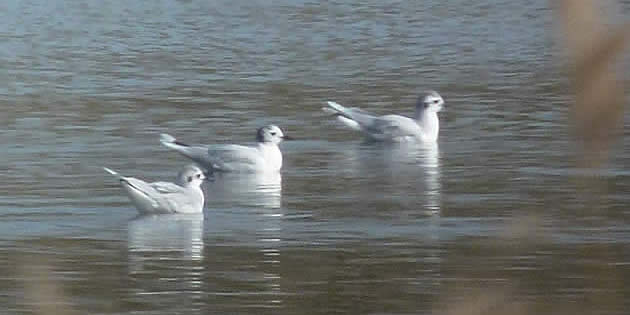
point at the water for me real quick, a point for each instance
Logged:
(497, 208)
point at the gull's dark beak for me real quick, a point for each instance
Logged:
(287, 138)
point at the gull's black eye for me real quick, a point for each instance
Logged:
(435, 101)
(198, 175)
(273, 133)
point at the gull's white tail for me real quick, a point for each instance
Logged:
(196, 153)
(169, 141)
(337, 107)
(167, 138)
(111, 172)
(343, 114)
(330, 111)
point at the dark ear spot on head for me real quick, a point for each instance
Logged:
(190, 179)
(260, 135)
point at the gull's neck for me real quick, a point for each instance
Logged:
(271, 154)
(199, 192)
(195, 195)
(194, 188)
(266, 145)
(429, 123)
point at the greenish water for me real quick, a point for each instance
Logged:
(350, 227)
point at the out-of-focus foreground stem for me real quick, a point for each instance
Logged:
(594, 50)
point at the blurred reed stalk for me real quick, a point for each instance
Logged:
(594, 50)
(42, 293)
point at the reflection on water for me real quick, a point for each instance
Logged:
(430, 161)
(251, 204)
(166, 257)
(173, 234)
(393, 170)
(262, 190)
(421, 160)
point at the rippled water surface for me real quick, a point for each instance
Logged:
(496, 211)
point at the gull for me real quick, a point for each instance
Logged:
(183, 196)
(264, 157)
(424, 126)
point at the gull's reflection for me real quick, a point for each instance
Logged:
(406, 156)
(429, 155)
(401, 182)
(419, 164)
(401, 171)
(259, 189)
(253, 203)
(177, 233)
(165, 252)
(407, 174)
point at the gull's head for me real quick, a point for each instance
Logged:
(271, 134)
(190, 176)
(431, 101)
